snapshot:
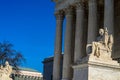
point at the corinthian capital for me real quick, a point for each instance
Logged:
(59, 15)
(69, 10)
(80, 5)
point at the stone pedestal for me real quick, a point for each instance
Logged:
(94, 68)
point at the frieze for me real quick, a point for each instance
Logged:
(61, 4)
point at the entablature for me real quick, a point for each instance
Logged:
(62, 4)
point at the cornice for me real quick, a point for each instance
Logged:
(62, 4)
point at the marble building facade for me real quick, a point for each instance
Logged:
(26, 74)
(83, 18)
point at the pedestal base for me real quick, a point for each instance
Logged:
(103, 68)
(96, 71)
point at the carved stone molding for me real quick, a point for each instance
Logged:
(61, 4)
(59, 15)
(80, 6)
(70, 10)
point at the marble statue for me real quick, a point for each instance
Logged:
(103, 42)
(5, 71)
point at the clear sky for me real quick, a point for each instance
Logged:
(30, 26)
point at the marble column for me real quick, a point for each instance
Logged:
(58, 45)
(109, 15)
(79, 32)
(67, 59)
(92, 21)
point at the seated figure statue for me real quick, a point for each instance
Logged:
(103, 42)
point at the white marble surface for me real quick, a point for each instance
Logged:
(96, 72)
(103, 73)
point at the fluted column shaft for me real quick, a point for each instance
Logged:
(58, 46)
(79, 32)
(92, 21)
(67, 60)
(109, 15)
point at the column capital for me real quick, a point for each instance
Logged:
(59, 15)
(79, 6)
(69, 10)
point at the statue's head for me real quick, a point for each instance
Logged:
(101, 32)
(6, 63)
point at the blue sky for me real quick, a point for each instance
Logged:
(30, 26)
